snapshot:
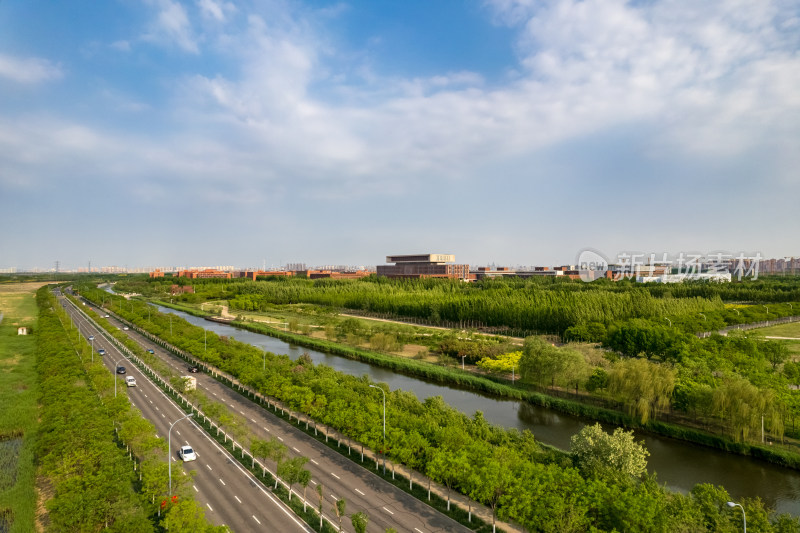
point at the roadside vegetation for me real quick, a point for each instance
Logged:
(18, 410)
(509, 471)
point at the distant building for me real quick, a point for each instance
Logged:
(204, 274)
(320, 274)
(181, 289)
(423, 266)
(721, 277)
(22, 330)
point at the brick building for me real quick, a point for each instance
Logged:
(423, 266)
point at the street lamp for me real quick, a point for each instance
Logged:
(462, 361)
(744, 518)
(668, 320)
(704, 316)
(169, 448)
(205, 340)
(92, 341)
(265, 360)
(384, 425)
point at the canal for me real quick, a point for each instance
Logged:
(680, 465)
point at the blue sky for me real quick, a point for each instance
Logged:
(518, 132)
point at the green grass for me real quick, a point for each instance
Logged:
(792, 329)
(18, 407)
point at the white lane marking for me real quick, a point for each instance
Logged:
(242, 412)
(157, 409)
(178, 432)
(256, 519)
(237, 498)
(163, 416)
(266, 429)
(220, 480)
(295, 449)
(173, 459)
(420, 531)
(145, 395)
(387, 510)
(212, 510)
(358, 491)
(208, 467)
(133, 404)
(334, 475)
(280, 439)
(214, 393)
(151, 401)
(334, 498)
(313, 461)
(253, 420)
(313, 482)
(195, 488)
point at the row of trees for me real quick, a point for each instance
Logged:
(87, 445)
(504, 469)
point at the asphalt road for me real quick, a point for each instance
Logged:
(231, 495)
(386, 505)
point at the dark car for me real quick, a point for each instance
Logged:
(101, 351)
(194, 369)
(150, 350)
(120, 370)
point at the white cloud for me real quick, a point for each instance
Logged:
(219, 11)
(28, 70)
(172, 26)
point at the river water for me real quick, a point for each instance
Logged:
(679, 464)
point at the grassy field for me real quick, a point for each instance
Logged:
(790, 331)
(18, 417)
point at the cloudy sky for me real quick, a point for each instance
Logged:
(207, 132)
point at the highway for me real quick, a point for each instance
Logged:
(231, 495)
(386, 505)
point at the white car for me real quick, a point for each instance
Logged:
(125, 328)
(130, 381)
(186, 453)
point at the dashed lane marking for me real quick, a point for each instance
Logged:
(237, 498)
(334, 475)
(220, 480)
(387, 510)
(358, 491)
(212, 510)
(257, 520)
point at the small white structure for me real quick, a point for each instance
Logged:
(22, 330)
(191, 382)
